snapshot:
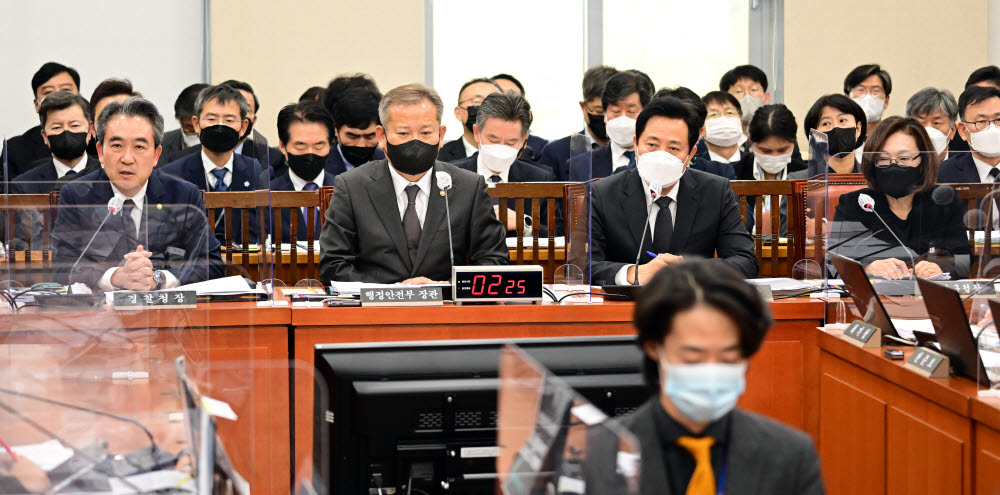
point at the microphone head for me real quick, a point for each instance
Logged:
(943, 195)
(443, 180)
(866, 202)
(654, 190)
(115, 204)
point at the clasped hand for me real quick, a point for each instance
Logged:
(136, 273)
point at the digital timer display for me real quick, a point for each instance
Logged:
(497, 283)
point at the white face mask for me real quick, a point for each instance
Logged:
(660, 167)
(703, 392)
(497, 157)
(986, 142)
(938, 139)
(749, 105)
(772, 164)
(872, 106)
(723, 131)
(621, 130)
(190, 140)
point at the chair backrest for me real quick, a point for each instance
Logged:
(577, 215)
(517, 197)
(768, 227)
(27, 225)
(229, 202)
(286, 265)
(980, 216)
(325, 195)
(815, 200)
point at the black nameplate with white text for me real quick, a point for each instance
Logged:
(862, 334)
(929, 363)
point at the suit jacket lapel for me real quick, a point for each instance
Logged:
(432, 219)
(687, 208)
(196, 172)
(383, 198)
(154, 217)
(744, 463)
(633, 200)
(653, 477)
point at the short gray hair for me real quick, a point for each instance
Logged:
(409, 94)
(507, 106)
(134, 106)
(223, 93)
(927, 100)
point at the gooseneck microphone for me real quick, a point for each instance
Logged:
(654, 193)
(444, 184)
(868, 204)
(114, 207)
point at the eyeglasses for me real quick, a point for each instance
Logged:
(859, 91)
(882, 161)
(982, 124)
(472, 102)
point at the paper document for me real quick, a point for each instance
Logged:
(300, 245)
(581, 291)
(543, 243)
(226, 285)
(784, 283)
(46, 455)
(906, 327)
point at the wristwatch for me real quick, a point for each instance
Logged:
(160, 279)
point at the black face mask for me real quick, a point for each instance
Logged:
(597, 126)
(471, 119)
(413, 157)
(68, 145)
(307, 165)
(219, 138)
(896, 180)
(841, 140)
(249, 130)
(357, 155)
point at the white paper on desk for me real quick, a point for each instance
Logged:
(224, 285)
(354, 288)
(543, 243)
(300, 245)
(154, 481)
(46, 455)
(561, 290)
(905, 327)
(783, 283)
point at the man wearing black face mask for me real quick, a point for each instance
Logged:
(220, 119)
(386, 221)
(355, 116)
(556, 154)
(469, 97)
(65, 119)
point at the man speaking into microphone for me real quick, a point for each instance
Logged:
(157, 239)
(386, 221)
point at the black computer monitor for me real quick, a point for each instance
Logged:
(389, 414)
(951, 327)
(863, 293)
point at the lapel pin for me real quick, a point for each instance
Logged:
(159, 206)
(246, 184)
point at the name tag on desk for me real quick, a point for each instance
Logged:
(929, 363)
(862, 334)
(414, 295)
(164, 299)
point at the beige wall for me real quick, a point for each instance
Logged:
(282, 48)
(919, 42)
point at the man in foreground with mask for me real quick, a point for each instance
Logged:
(698, 326)
(624, 96)
(556, 154)
(666, 137)
(470, 96)
(979, 111)
(386, 220)
(220, 119)
(355, 116)
(65, 119)
(501, 131)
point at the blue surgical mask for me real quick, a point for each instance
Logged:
(704, 392)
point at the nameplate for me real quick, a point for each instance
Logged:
(967, 287)
(164, 299)
(862, 334)
(929, 363)
(402, 296)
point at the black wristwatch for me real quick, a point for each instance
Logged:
(160, 279)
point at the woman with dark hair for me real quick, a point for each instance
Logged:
(845, 125)
(901, 168)
(699, 323)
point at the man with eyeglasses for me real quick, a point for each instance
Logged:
(979, 125)
(749, 85)
(869, 86)
(470, 97)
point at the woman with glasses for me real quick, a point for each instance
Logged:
(900, 166)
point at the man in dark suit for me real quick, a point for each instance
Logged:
(386, 221)
(979, 112)
(698, 326)
(65, 129)
(220, 119)
(178, 140)
(624, 96)
(501, 130)
(21, 151)
(470, 96)
(557, 153)
(355, 116)
(666, 133)
(158, 239)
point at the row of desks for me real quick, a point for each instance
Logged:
(855, 403)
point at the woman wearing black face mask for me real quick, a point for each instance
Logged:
(845, 125)
(900, 166)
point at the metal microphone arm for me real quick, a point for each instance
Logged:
(913, 263)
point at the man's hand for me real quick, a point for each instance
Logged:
(647, 271)
(890, 269)
(136, 273)
(511, 217)
(926, 269)
(421, 281)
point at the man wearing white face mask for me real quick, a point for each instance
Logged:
(501, 129)
(748, 84)
(698, 327)
(869, 86)
(666, 136)
(937, 111)
(723, 127)
(624, 96)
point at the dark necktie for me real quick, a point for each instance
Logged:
(72, 174)
(310, 186)
(220, 184)
(664, 226)
(128, 225)
(994, 175)
(411, 223)
(631, 157)
(495, 179)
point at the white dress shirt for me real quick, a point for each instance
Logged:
(487, 173)
(719, 158)
(77, 166)
(210, 178)
(618, 158)
(470, 148)
(298, 183)
(621, 278)
(139, 199)
(984, 176)
(423, 196)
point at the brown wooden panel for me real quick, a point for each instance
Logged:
(852, 442)
(923, 459)
(987, 460)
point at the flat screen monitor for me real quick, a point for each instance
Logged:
(863, 294)
(951, 327)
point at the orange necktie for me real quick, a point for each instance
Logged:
(703, 480)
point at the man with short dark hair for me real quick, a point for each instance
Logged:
(178, 140)
(532, 149)
(65, 121)
(749, 85)
(111, 89)
(20, 152)
(158, 239)
(556, 154)
(624, 96)
(984, 76)
(355, 116)
(869, 86)
(978, 113)
(470, 96)
(696, 212)
(343, 83)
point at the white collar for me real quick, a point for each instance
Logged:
(399, 183)
(617, 152)
(672, 194)
(470, 148)
(298, 183)
(77, 166)
(589, 134)
(139, 197)
(982, 167)
(487, 173)
(210, 165)
(715, 157)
